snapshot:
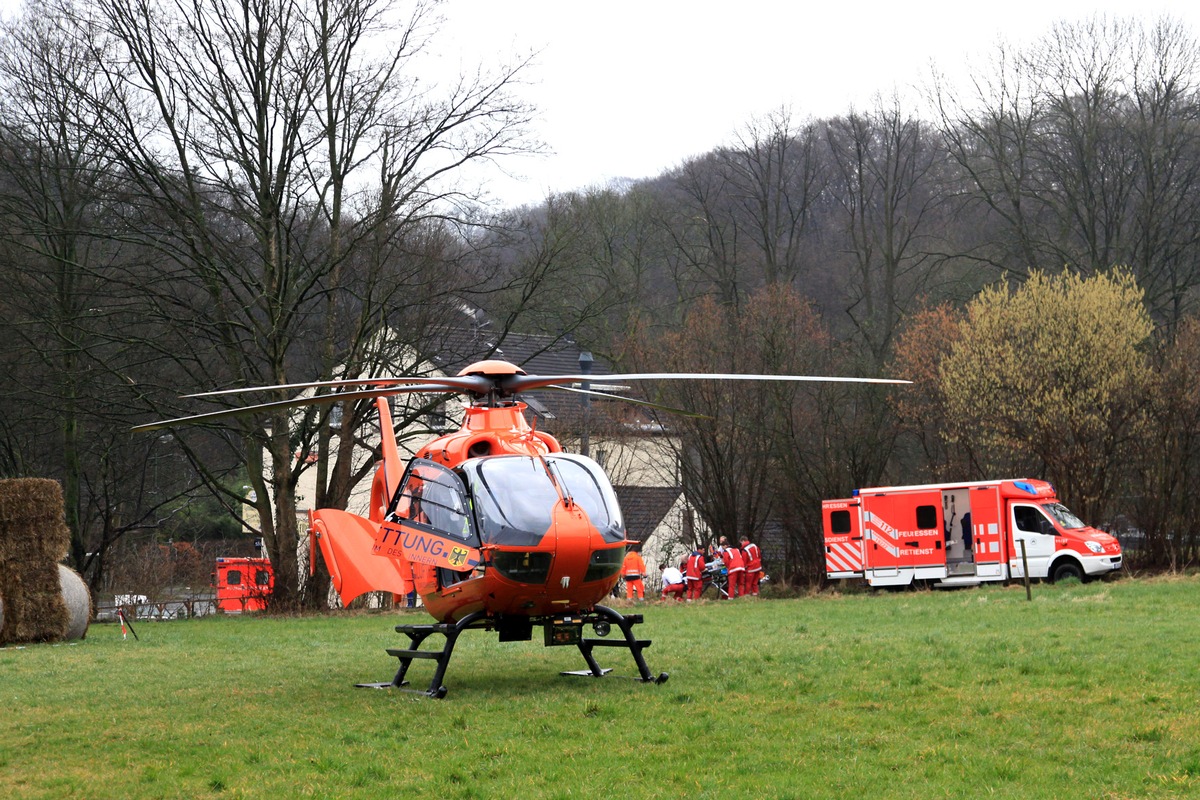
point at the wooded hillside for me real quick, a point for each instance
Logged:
(215, 194)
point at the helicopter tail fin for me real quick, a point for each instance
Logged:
(346, 541)
(393, 467)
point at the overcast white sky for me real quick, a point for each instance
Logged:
(630, 88)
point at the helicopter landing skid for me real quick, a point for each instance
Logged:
(602, 619)
(418, 634)
(559, 630)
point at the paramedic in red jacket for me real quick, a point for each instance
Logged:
(735, 567)
(693, 572)
(753, 561)
(633, 570)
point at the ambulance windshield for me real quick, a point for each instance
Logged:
(1063, 516)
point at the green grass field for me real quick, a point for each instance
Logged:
(1089, 691)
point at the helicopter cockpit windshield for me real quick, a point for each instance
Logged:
(514, 496)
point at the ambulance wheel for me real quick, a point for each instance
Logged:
(1065, 570)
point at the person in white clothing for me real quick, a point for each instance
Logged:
(672, 582)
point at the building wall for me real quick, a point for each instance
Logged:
(665, 545)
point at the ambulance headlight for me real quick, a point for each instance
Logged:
(1095, 547)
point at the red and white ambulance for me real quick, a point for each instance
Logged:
(961, 534)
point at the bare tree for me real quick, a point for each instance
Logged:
(73, 332)
(1084, 151)
(299, 187)
(991, 137)
(738, 217)
(885, 185)
(1164, 121)
(585, 265)
(1166, 486)
(1086, 163)
(746, 457)
(923, 344)
(775, 177)
(707, 247)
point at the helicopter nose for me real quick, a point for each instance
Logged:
(572, 547)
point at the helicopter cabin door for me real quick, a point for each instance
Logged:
(429, 524)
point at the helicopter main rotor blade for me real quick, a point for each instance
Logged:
(669, 409)
(323, 399)
(525, 383)
(479, 385)
(476, 384)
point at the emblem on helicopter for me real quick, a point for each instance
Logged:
(404, 540)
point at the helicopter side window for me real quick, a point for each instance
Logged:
(434, 497)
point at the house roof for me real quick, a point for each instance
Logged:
(537, 353)
(644, 507)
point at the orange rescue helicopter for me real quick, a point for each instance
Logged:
(494, 524)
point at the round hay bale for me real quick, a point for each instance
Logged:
(78, 601)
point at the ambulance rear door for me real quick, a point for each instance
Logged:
(921, 533)
(842, 521)
(881, 548)
(902, 537)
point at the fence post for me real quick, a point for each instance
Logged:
(1025, 569)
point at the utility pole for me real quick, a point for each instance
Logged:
(585, 368)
